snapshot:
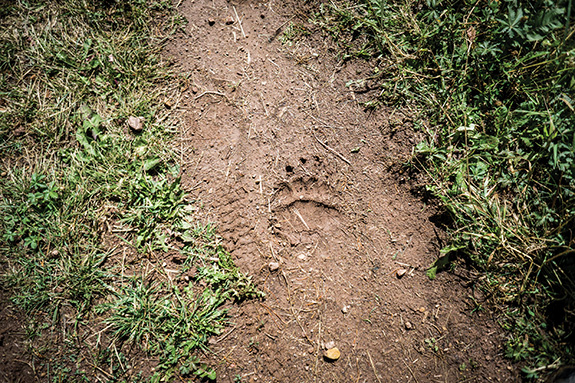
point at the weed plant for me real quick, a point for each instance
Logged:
(89, 207)
(492, 83)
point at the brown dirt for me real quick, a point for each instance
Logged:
(15, 367)
(296, 172)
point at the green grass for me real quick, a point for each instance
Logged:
(491, 84)
(89, 208)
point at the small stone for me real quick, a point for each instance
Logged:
(135, 123)
(229, 20)
(20, 131)
(54, 253)
(328, 345)
(3, 174)
(345, 309)
(301, 257)
(408, 326)
(332, 354)
(168, 103)
(311, 350)
(211, 21)
(274, 266)
(400, 273)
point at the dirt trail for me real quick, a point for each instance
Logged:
(295, 172)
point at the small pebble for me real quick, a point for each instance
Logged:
(408, 326)
(400, 273)
(330, 344)
(229, 20)
(211, 21)
(345, 309)
(274, 266)
(332, 354)
(135, 123)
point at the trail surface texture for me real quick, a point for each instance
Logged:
(308, 191)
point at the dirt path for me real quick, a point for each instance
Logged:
(308, 192)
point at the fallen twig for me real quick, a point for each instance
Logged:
(225, 336)
(373, 366)
(296, 211)
(209, 92)
(279, 29)
(317, 351)
(332, 150)
(240, 23)
(410, 370)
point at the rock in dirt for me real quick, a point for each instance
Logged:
(330, 344)
(20, 131)
(229, 20)
(332, 354)
(168, 103)
(211, 21)
(408, 326)
(135, 123)
(274, 266)
(345, 309)
(400, 273)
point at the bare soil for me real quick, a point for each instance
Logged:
(15, 367)
(312, 198)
